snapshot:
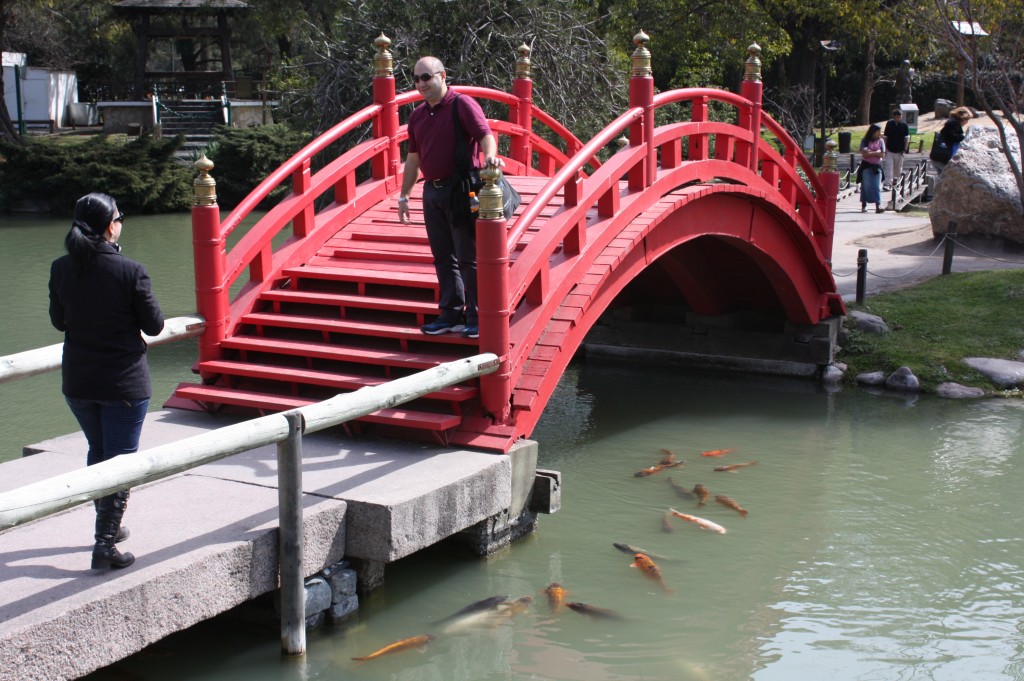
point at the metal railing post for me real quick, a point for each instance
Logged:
(947, 254)
(862, 273)
(289, 552)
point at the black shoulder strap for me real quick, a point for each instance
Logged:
(462, 161)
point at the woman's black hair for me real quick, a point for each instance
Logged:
(93, 214)
(872, 129)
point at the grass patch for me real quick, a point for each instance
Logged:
(938, 323)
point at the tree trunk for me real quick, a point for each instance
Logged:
(7, 128)
(867, 86)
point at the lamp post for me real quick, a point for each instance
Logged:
(827, 46)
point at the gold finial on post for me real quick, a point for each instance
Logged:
(641, 58)
(831, 162)
(523, 63)
(204, 187)
(492, 201)
(752, 70)
(382, 64)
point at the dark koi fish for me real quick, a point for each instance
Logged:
(594, 612)
(405, 644)
(669, 459)
(666, 523)
(702, 493)
(733, 467)
(633, 550)
(680, 490)
(479, 606)
(727, 501)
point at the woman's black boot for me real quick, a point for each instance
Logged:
(122, 532)
(109, 510)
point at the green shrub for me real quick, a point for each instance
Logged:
(141, 174)
(243, 157)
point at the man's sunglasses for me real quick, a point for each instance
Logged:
(424, 76)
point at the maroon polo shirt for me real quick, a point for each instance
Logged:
(432, 134)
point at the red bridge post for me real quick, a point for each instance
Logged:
(829, 178)
(641, 94)
(492, 264)
(208, 247)
(753, 89)
(522, 113)
(385, 125)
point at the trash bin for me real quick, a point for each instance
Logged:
(844, 142)
(134, 129)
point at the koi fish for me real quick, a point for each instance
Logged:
(702, 493)
(633, 550)
(680, 490)
(507, 611)
(733, 467)
(718, 452)
(669, 459)
(405, 644)
(556, 595)
(478, 606)
(650, 569)
(699, 522)
(666, 524)
(727, 501)
(594, 612)
(656, 469)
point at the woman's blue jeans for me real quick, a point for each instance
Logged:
(111, 427)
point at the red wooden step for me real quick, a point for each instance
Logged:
(346, 271)
(342, 300)
(388, 358)
(396, 256)
(417, 237)
(348, 326)
(455, 393)
(408, 418)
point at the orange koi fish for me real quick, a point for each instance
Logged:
(650, 569)
(733, 467)
(699, 522)
(680, 490)
(556, 595)
(666, 524)
(718, 452)
(727, 501)
(405, 644)
(702, 493)
(594, 612)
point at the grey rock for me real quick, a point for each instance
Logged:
(832, 374)
(977, 189)
(903, 379)
(1005, 373)
(343, 583)
(318, 596)
(872, 378)
(343, 608)
(942, 108)
(955, 391)
(869, 323)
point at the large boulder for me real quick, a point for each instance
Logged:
(977, 189)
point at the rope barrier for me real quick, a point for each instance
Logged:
(178, 114)
(960, 244)
(907, 274)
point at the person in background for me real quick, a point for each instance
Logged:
(872, 151)
(897, 140)
(102, 301)
(432, 151)
(952, 134)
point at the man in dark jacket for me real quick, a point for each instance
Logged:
(897, 140)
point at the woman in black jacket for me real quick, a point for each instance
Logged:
(101, 301)
(950, 137)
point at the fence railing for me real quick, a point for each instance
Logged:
(42, 360)
(61, 492)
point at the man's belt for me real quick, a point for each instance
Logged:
(440, 184)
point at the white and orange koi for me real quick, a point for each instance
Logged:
(699, 522)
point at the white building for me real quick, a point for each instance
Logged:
(45, 93)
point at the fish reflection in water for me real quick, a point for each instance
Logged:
(594, 612)
(419, 642)
(733, 467)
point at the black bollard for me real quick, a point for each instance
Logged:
(947, 256)
(862, 274)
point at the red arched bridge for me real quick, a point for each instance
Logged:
(698, 212)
